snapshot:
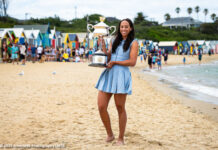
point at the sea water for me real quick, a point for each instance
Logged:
(197, 81)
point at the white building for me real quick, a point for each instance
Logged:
(182, 22)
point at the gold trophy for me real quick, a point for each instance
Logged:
(101, 30)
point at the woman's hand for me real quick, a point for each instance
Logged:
(101, 41)
(110, 64)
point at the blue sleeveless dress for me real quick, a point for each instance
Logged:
(117, 80)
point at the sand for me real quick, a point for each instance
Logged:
(44, 108)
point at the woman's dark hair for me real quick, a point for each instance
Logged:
(119, 37)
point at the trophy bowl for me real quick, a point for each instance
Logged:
(99, 59)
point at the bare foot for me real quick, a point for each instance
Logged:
(119, 143)
(110, 138)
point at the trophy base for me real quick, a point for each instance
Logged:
(98, 65)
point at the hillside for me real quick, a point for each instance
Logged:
(144, 28)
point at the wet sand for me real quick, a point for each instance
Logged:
(44, 108)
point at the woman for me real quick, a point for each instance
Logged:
(116, 78)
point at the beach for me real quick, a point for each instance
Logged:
(55, 103)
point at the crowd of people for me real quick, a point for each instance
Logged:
(154, 57)
(23, 52)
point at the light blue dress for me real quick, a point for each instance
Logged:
(117, 80)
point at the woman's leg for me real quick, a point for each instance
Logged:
(103, 100)
(120, 100)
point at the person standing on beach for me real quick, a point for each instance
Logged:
(9, 52)
(144, 55)
(184, 60)
(23, 53)
(159, 62)
(14, 55)
(165, 57)
(150, 60)
(116, 78)
(200, 56)
(4, 52)
(33, 53)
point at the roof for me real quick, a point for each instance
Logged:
(59, 34)
(42, 28)
(29, 34)
(200, 42)
(185, 43)
(81, 36)
(73, 37)
(36, 33)
(3, 32)
(17, 31)
(167, 43)
(51, 36)
(181, 21)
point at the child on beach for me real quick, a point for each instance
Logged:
(159, 62)
(184, 60)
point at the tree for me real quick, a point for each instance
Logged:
(167, 17)
(4, 6)
(205, 13)
(197, 10)
(189, 10)
(177, 10)
(139, 18)
(213, 17)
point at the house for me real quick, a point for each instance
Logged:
(82, 39)
(52, 38)
(186, 46)
(44, 29)
(5, 37)
(71, 40)
(20, 36)
(59, 36)
(37, 37)
(30, 38)
(168, 45)
(182, 22)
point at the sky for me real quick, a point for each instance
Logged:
(70, 9)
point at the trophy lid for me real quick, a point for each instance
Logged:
(101, 24)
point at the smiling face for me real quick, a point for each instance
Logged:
(125, 29)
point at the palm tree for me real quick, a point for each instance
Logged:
(139, 18)
(177, 10)
(205, 13)
(197, 10)
(213, 17)
(167, 16)
(189, 10)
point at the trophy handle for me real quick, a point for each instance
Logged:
(89, 26)
(112, 27)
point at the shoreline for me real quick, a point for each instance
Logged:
(195, 105)
(201, 107)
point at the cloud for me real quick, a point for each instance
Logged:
(155, 9)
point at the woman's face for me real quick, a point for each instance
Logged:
(125, 29)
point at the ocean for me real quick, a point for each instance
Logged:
(196, 81)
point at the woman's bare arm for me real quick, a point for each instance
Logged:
(132, 59)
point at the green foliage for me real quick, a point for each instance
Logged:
(144, 29)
